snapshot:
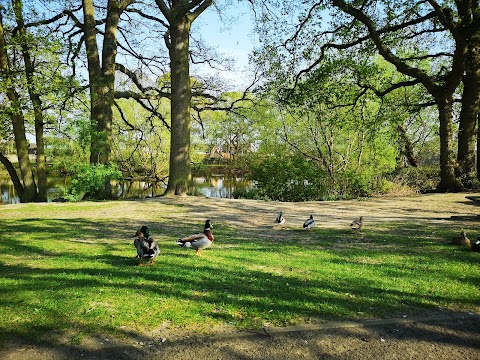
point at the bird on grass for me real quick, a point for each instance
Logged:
(461, 240)
(309, 223)
(357, 225)
(280, 219)
(147, 248)
(198, 241)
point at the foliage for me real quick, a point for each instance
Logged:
(88, 180)
(331, 136)
(287, 178)
(292, 177)
(298, 42)
(349, 140)
(422, 178)
(140, 143)
(68, 146)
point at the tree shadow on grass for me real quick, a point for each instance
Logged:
(67, 262)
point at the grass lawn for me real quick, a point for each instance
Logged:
(68, 270)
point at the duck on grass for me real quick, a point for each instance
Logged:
(198, 241)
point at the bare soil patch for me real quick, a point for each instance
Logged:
(440, 336)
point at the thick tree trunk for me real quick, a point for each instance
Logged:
(468, 114)
(29, 188)
(98, 146)
(180, 15)
(102, 82)
(41, 163)
(448, 180)
(478, 146)
(21, 144)
(180, 108)
(104, 114)
(36, 102)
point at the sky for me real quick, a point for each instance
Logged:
(234, 37)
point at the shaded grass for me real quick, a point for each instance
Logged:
(77, 275)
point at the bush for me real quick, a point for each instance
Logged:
(89, 181)
(422, 178)
(350, 184)
(295, 178)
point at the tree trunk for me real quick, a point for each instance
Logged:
(18, 121)
(97, 91)
(478, 146)
(36, 102)
(102, 82)
(107, 85)
(468, 114)
(448, 181)
(17, 184)
(180, 107)
(180, 15)
(21, 144)
(41, 163)
(407, 146)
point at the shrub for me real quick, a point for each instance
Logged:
(422, 178)
(295, 178)
(89, 180)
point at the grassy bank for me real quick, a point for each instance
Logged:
(69, 269)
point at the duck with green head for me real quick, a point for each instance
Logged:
(280, 219)
(147, 248)
(198, 241)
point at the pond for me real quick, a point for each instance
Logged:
(220, 185)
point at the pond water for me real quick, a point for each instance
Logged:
(212, 186)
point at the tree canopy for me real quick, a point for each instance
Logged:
(348, 95)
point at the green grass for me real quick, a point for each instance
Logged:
(76, 274)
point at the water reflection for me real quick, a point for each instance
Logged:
(8, 196)
(223, 186)
(55, 190)
(137, 189)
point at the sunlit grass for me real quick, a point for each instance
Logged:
(77, 274)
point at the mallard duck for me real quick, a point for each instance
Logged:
(280, 219)
(147, 248)
(461, 240)
(309, 223)
(357, 225)
(476, 245)
(198, 241)
(145, 231)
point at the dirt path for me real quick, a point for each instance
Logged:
(441, 336)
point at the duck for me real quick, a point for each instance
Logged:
(357, 225)
(145, 231)
(309, 223)
(198, 241)
(476, 245)
(280, 219)
(461, 240)
(147, 248)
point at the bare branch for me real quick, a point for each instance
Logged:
(149, 17)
